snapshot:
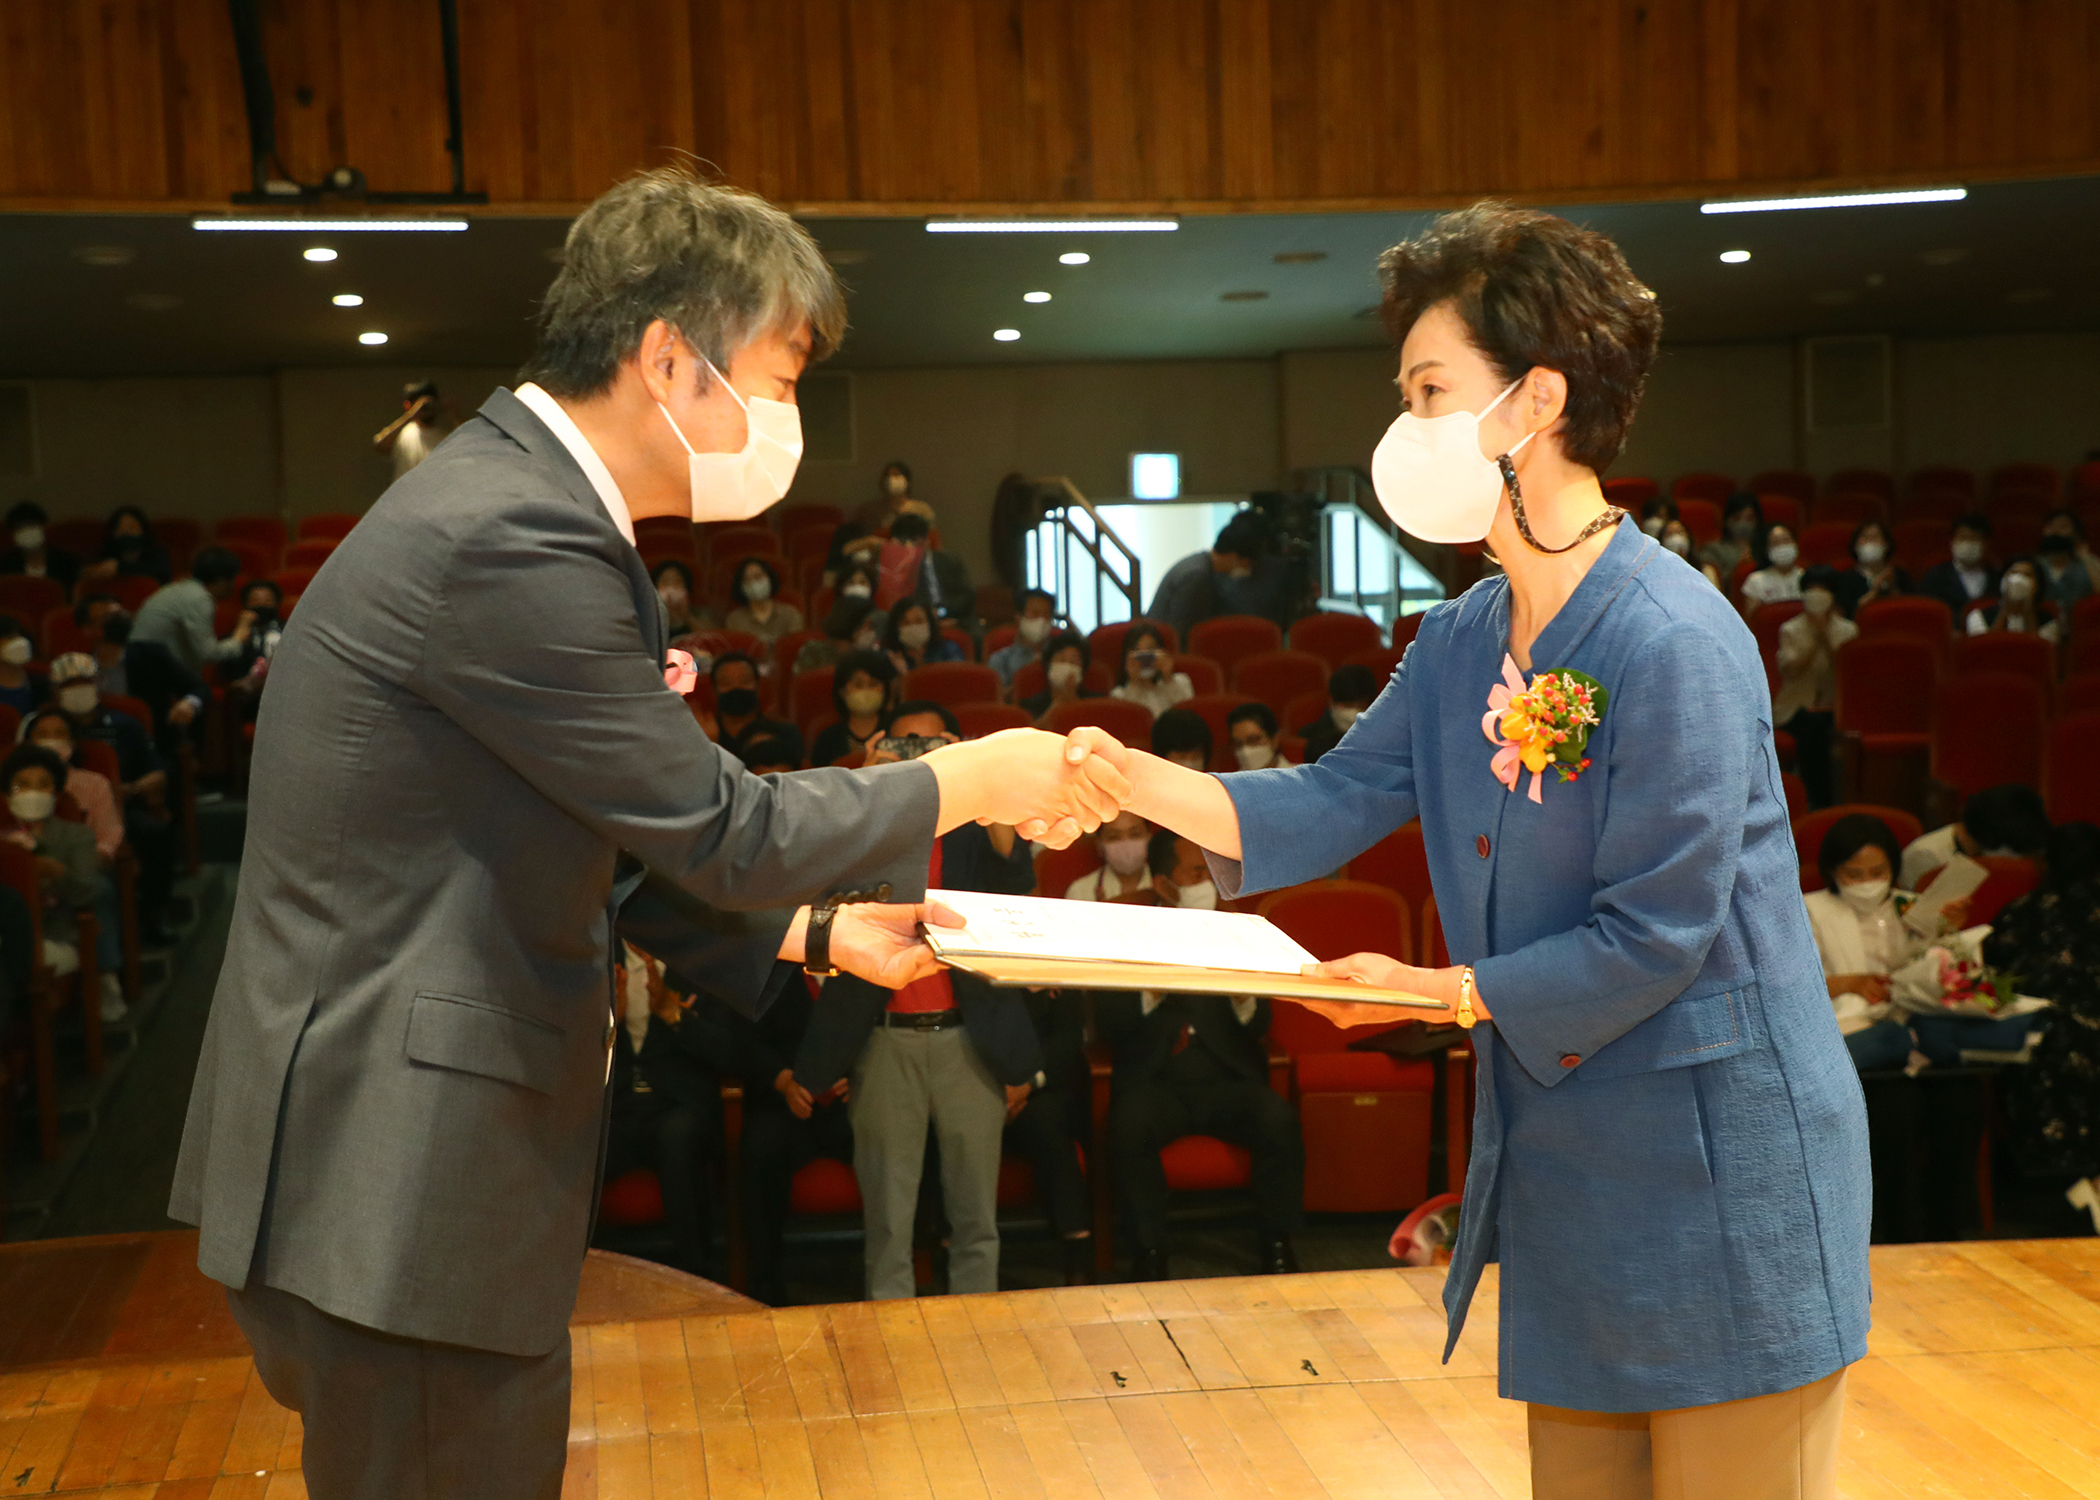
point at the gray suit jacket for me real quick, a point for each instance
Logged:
(397, 1113)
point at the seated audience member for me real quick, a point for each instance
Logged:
(27, 552)
(1778, 574)
(1873, 575)
(145, 670)
(1967, 575)
(68, 869)
(1200, 586)
(1742, 518)
(1197, 1065)
(758, 609)
(913, 566)
(2072, 570)
(765, 755)
(91, 791)
(1125, 846)
(2050, 937)
(1676, 540)
(859, 538)
(2007, 820)
(1038, 619)
(1806, 701)
(2020, 610)
(256, 632)
(1066, 656)
(682, 612)
(1657, 514)
(861, 685)
(1861, 938)
(182, 616)
(142, 786)
(860, 581)
(1350, 690)
(1146, 675)
(1183, 736)
(948, 1051)
(668, 1059)
(785, 1128)
(852, 625)
(738, 711)
(129, 549)
(913, 640)
(20, 689)
(1252, 730)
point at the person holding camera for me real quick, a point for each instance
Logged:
(1148, 676)
(948, 1050)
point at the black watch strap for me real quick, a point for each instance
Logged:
(816, 942)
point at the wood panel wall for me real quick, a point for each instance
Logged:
(903, 106)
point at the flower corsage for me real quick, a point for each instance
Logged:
(1546, 724)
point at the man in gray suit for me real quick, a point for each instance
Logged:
(467, 764)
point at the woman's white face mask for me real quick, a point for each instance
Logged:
(1865, 895)
(1201, 896)
(1126, 856)
(1432, 477)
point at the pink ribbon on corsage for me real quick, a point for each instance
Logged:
(1507, 762)
(680, 675)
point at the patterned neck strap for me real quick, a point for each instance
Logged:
(1609, 518)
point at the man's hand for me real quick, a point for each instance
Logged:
(180, 714)
(881, 944)
(797, 1097)
(1049, 788)
(1017, 1097)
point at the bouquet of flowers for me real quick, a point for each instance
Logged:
(1546, 724)
(1950, 978)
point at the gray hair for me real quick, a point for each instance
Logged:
(720, 265)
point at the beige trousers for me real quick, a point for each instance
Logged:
(1778, 1447)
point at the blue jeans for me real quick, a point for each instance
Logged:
(1942, 1038)
(1885, 1044)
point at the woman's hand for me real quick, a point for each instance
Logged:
(1050, 787)
(1389, 973)
(1872, 988)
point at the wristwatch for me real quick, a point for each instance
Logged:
(1464, 1016)
(816, 943)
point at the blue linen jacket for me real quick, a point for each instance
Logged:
(1670, 1156)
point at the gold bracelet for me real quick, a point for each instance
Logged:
(1465, 1017)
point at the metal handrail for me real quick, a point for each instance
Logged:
(1131, 588)
(1347, 494)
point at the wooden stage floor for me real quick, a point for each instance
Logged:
(124, 1378)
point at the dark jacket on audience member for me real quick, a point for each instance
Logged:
(996, 1020)
(1320, 736)
(763, 728)
(1142, 1044)
(59, 567)
(154, 677)
(136, 756)
(761, 1049)
(682, 1064)
(1943, 583)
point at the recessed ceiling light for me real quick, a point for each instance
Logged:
(105, 255)
(373, 337)
(347, 299)
(1298, 257)
(1035, 296)
(332, 226)
(1835, 200)
(1006, 335)
(1051, 226)
(1074, 258)
(1246, 296)
(319, 253)
(1734, 257)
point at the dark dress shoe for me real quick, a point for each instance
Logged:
(1148, 1265)
(1278, 1258)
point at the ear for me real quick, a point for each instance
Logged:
(660, 360)
(1542, 399)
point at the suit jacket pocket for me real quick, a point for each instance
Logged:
(1696, 1027)
(473, 1036)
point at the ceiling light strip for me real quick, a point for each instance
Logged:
(1051, 226)
(335, 226)
(1839, 200)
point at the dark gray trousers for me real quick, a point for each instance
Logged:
(392, 1418)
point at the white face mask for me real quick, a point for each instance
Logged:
(1125, 856)
(1344, 714)
(1034, 629)
(1817, 601)
(1967, 553)
(31, 807)
(856, 591)
(915, 635)
(737, 486)
(1865, 895)
(1433, 479)
(16, 651)
(1654, 525)
(1254, 757)
(1782, 554)
(1871, 554)
(758, 590)
(79, 698)
(1202, 896)
(1063, 673)
(29, 538)
(2017, 587)
(1678, 543)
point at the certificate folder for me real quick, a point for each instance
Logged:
(1036, 943)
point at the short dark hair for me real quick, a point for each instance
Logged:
(1245, 535)
(1138, 628)
(1352, 682)
(29, 753)
(672, 565)
(2007, 816)
(10, 627)
(25, 513)
(1743, 500)
(896, 621)
(1045, 595)
(736, 583)
(1180, 730)
(1260, 713)
(1850, 834)
(910, 527)
(720, 265)
(86, 602)
(123, 512)
(928, 706)
(1888, 536)
(419, 388)
(1059, 641)
(1763, 547)
(876, 664)
(2061, 513)
(1536, 291)
(731, 658)
(1661, 505)
(276, 592)
(1820, 576)
(767, 750)
(1975, 520)
(214, 565)
(901, 467)
(50, 711)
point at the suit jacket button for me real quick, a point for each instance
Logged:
(1481, 844)
(1571, 1060)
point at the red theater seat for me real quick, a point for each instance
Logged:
(633, 1198)
(329, 525)
(1809, 831)
(1945, 477)
(825, 1186)
(2070, 779)
(1987, 731)
(30, 599)
(981, 719)
(1784, 510)
(1336, 637)
(1129, 722)
(1204, 675)
(1106, 641)
(1632, 491)
(1792, 483)
(2044, 478)
(1229, 637)
(1702, 518)
(1205, 1164)
(1851, 510)
(1713, 488)
(2026, 656)
(952, 683)
(1276, 677)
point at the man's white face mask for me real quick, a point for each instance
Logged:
(737, 486)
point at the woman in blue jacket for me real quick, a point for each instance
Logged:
(1670, 1156)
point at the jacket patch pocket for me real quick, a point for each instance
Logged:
(1693, 1028)
(473, 1036)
